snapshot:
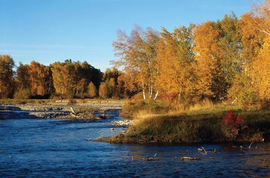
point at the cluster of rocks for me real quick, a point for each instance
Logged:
(49, 115)
(39, 111)
(125, 122)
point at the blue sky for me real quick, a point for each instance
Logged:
(54, 30)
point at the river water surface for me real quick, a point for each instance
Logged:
(61, 148)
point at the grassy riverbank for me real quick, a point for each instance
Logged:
(203, 122)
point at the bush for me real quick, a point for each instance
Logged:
(232, 125)
(22, 94)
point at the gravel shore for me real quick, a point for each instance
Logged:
(61, 110)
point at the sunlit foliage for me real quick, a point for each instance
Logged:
(6, 76)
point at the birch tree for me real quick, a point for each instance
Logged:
(137, 54)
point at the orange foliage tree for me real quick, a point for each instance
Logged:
(6, 76)
(104, 90)
(39, 79)
(92, 90)
(72, 78)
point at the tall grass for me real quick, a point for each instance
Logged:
(161, 121)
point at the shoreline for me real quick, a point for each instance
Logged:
(60, 110)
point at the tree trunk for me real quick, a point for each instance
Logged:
(143, 94)
(156, 95)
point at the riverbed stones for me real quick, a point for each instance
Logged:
(61, 110)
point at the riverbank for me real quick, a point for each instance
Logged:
(60, 109)
(211, 124)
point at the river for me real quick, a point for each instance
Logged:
(62, 148)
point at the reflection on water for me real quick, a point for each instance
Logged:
(57, 148)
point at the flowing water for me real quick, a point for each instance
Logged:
(61, 148)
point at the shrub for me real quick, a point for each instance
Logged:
(232, 125)
(22, 94)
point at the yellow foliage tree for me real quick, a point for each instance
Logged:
(261, 71)
(92, 90)
(207, 52)
(175, 64)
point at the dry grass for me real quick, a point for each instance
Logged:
(199, 122)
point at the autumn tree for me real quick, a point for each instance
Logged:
(104, 90)
(261, 71)
(72, 78)
(128, 86)
(6, 76)
(175, 63)
(111, 77)
(260, 68)
(92, 90)
(207, 53)
(40, 79)
(22, 90)
(255, 46)
(22, 77)
(262, 11)
(137, 54)
(217, 52)
(229, 62)
(36, 77)
(252, 39)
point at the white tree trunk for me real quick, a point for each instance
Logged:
(156, 95)
(150, 92)
(143, 94)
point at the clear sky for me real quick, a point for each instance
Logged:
(54, 30)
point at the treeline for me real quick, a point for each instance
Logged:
(225, 59)
(216, 60)
(67, 79)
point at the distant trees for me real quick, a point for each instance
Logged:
(6, 76)
(61, 79)
(72, 78)
(92, 90)
(104, 90)
(34, 79)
